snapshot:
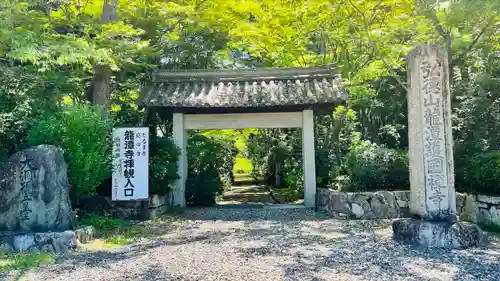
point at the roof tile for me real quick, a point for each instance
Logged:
(233, 89)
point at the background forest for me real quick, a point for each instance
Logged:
(71, 70)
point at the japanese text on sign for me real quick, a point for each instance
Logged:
(130, 161)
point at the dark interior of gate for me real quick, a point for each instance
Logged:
(243, 92)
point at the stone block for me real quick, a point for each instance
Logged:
(460, 201)
(158, 201)
(489, 199)
(484, 216)
(338, 203)
(369, 216)
(402, 195)
(322, 197)
(35, 194)
(58, 242)
(366, 206)
(426, 234)
(357, 210)
(340, 216)
(469, 209)
(403, 204)
(384, 206)
(482, 205)
(495, 215)
(85, 234)
(359, 197)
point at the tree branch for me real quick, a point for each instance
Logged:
(473, 43)
(376, 49)
(439, 27)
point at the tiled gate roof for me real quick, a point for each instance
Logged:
(245, 88)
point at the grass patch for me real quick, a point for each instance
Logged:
(115, 233)
(23, 261)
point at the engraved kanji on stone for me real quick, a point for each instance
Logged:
(25, 211)
(433, 122)
(435, 182)
(433, 117)
(431, 82)
(437, 197)
(435, 165)
(434, 132)
(432, 147)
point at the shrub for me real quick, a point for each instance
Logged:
(209, 161)
(370, 167)
(293, 176)
(100, 221)
(481, 174)
(162, 165)
(84, 134)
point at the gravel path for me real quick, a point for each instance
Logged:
(272, 245)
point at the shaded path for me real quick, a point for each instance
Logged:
(268, 244)
(251, 196)
(246, 195)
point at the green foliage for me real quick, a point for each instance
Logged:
(101, 222)
(242, 166)
(335, 134)
(115, 231)
(293, 175)
(24, 95)
(481, 173)
(23, 261)
(370, 167)
(210, 162)
(162, 165)
(84, 134)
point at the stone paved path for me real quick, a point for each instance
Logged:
(252, 196)
(270, 245)
(246, 194)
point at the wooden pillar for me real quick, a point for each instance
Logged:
(180, 139)
(308, 158)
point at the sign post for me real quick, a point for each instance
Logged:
(130, 164)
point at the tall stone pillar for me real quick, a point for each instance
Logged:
(432, 200)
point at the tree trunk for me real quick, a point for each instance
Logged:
(109, 11)
(102, 73)
(101, 85)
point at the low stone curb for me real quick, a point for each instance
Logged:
(52, 242)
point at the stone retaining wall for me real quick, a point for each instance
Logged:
(363, 205)
(488, 209)
(395, 204)
(144, 210)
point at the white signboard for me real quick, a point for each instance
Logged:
(130, 164)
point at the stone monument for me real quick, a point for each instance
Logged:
(35, 208)
(432, 200)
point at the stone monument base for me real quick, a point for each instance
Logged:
(53, 242)
(428, 234)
